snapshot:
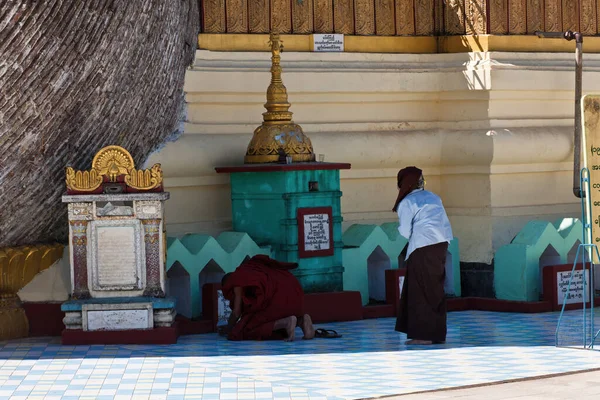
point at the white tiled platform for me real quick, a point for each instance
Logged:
(369, 361)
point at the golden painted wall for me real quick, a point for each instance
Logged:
(400, 17)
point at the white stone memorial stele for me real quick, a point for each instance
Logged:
(117, 246)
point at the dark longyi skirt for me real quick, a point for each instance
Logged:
(422, 311)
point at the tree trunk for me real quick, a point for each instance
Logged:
(76, 76)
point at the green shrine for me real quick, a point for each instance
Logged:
(283, 198)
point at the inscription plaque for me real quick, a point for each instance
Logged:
(328, 42)
(118, 256)
(315, 232)
(576, 293)
(116, 317)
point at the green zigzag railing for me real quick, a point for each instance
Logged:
(194, 252)
(517, 265)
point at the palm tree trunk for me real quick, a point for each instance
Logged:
(76, 76)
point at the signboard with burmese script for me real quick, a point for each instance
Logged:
(591, 159)
(315, 232)
(328, 42)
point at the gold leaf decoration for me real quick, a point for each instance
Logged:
(364, 17)
(570, 15)
(145, 179)
(535, 15)
(588, 19)
(424, 23)
(214, 16)
(455, 17)
(83, 181)
(385, 25)
(302, 16)
(112, 161)
(18, 266)
(258, 16)
(237, 16)
(323, 16)
(498, 17)
(281, 18)
(517, 21)
(553, 15)
(343, 10)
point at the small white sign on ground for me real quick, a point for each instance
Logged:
(576, 293)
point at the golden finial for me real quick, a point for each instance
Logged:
(277, 99)
(278, 134)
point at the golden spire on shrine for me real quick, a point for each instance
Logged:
(278, 136)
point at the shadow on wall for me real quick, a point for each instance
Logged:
(518, 266)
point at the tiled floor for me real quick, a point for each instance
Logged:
(370, 360)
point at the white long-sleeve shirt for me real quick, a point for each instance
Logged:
(423, 220)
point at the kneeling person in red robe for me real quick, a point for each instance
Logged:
(266, 300)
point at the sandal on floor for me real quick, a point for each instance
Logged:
(327, 334)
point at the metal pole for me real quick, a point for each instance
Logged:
(578, 128)
(578, 37)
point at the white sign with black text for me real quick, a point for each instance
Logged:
(328, 42)
(316, 232)
(576, 294)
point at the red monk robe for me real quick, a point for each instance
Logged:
(269, 293)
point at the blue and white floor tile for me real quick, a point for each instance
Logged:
(369, 361)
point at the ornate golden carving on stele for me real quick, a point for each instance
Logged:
(343, 10)
(588, 20)
(570, 15)
(83, 181)
(18, 266)
(364, 17)
(281, 18)
(517, 17)
(384, 18)
(405, 17)
(424, 22)
(498, 10)
(323, 16)
(475, 17)
(535, 15)
(278, 135)
(553, 15)
(144, 179)
(258, 16)
(214, 16)
(302, 17)
(112, 162)
(454, 15)
(237, 16)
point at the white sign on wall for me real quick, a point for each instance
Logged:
(576, 294)
(316, 232)
(328, 42)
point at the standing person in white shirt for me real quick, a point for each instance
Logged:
(423, 221)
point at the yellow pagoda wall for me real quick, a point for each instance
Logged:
(491, 130)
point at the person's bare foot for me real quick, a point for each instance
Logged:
(418, 342)
(290, 328)
(305, 323)
(289, 324)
